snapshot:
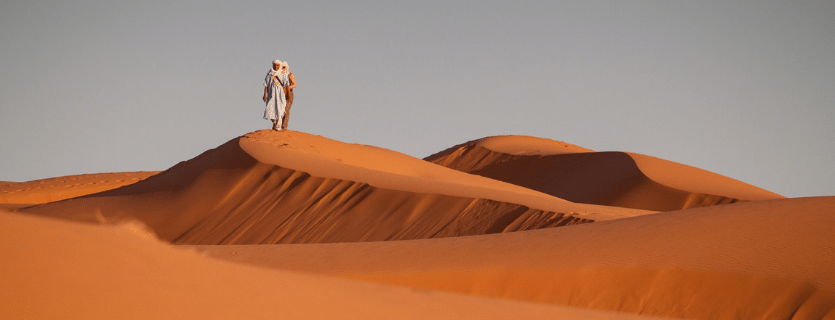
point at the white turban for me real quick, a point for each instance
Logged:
(285, 64)
(273, 71)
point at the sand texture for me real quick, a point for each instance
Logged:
(770, 258)
(56, 269)
(608, 178)
(269, 187)
(23, 194)
(294, 225)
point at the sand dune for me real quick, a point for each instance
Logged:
(511, 240)
(66, 270)
(767, 259)
(291, 187)
(607, 178)
(22, 194)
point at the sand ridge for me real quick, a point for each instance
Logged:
(516, 145)
(748, 260)
(21, 194)
(292, 187)
(605, 178)
(384, 168)
(419, 235)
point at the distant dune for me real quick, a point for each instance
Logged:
(294, 225)
(21, 194)
(607, 178)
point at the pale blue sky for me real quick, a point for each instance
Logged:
(742, 88)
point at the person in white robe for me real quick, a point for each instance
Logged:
(274, 97)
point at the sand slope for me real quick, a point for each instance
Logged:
(291, 187)
(21, 194)
(294, 197)
(766, 259)
(55, 269)
(606, 178)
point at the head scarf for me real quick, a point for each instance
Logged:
(274, 72)
(282, 77)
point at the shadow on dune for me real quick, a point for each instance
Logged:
(225, 196)
(603, 178)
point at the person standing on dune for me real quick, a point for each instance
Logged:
(274, 97)
(288, 93)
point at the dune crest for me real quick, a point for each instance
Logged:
(388, 169)
(604, 178)
(291, 187)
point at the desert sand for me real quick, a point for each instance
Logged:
(24, 194)
(574, 173)
(296, 225)
(65, 270)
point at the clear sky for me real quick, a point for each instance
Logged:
(741, 88)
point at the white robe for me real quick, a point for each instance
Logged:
(276, 101)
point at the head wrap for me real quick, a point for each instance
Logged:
(280, 75)
(286, 65)
(274, 71)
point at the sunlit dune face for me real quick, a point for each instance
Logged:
(520, 220)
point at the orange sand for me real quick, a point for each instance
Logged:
(608, 178)
(55, 269)
(541, 229)
(293, 187)
(769, 258)
(23, 194)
